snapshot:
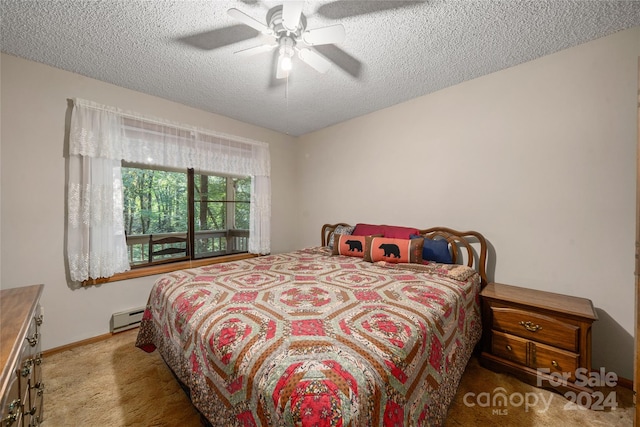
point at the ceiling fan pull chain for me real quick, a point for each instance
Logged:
(286, 95)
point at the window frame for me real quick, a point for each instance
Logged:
(190, 259)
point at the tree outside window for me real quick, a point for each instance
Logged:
(157, 214)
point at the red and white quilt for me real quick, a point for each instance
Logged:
(309, 339)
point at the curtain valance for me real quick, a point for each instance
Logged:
(110, 133)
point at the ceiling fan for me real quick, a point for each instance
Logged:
(286, 30)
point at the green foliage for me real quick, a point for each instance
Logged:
(154, 201)
(210, 202)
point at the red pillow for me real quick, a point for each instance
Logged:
(394, 232)
(369, 230)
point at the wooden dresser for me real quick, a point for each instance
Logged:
(540, 337)
(21, 356)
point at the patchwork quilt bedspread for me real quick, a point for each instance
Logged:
(309, 339)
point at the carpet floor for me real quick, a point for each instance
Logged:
(113, 383)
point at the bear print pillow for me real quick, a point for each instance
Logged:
(395, 250)
(346, 244)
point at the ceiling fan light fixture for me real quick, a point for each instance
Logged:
(285, 63)
(286, 53)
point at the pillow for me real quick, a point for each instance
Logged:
(341, 229)
(391, 231)
(436, 250)
(348, 245)
(396, 232)
(394, 250)
(368, 230)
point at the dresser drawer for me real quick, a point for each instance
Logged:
(509, 347)
(537, 327)
(12, 403)
(25, 371)
(36, 416)
(555, 359)
(36, 386)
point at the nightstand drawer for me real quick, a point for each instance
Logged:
(555, 360)
(509, 347)
(534, 326)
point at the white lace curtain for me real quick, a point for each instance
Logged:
(102, 137)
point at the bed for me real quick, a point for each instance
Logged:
(315, 338)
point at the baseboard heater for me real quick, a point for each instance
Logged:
(126, 319)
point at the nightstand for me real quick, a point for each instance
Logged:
(542, 338)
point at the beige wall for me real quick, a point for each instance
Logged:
(540, 158)
(33, 108)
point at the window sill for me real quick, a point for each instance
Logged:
(166, 268)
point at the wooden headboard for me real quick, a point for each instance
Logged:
(467, 247)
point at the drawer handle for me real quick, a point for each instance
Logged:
(15, 404)
(529, 326)
(554, 363)
(509, 347)
(33, 340)
(9, 419)
(26, 370)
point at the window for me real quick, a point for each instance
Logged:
(102, 243)
(157, 215)
(221, 215)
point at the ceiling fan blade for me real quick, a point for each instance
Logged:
(325, 35)
(342, 59)
(219, 37)
(247, 20)
(280, 73)
(255, 50)
(291, 11)
(315, 60)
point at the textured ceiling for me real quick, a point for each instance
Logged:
(393, 51)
